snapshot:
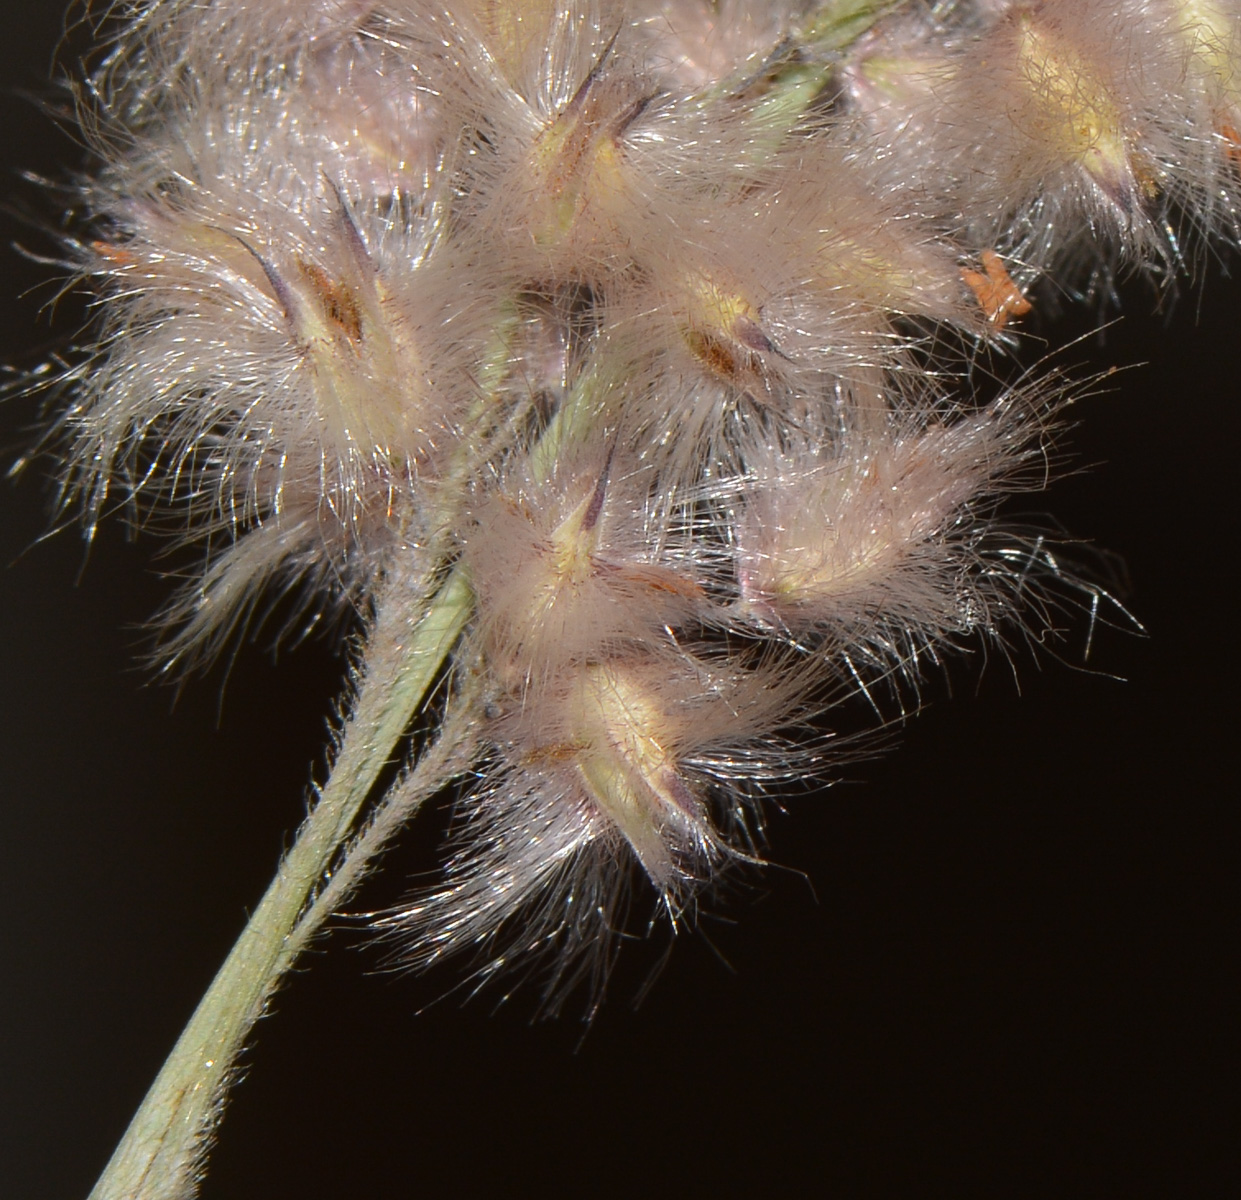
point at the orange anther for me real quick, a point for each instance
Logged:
(118, 256)
(1232, 142)
(998, 296)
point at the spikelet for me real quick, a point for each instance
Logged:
(1204, 38)
(542, 94)
(381, 134)
(274, 356)
(753, 314)
(573, 568)
(879, 545)
(1208, 32)
(324, 571)
(1054, 132)
(649, 761)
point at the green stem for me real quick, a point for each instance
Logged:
(160, 1156)
(836, 25)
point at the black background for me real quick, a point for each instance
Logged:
(1009, 976)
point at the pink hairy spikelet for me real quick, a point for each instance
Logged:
(288, 342)
(1080, 124)
(746, 315)
(275, 357)
(880, 542)
(650, 760)
(1203, 115)
(859, 249)
(1056, 132)
(574, 568)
